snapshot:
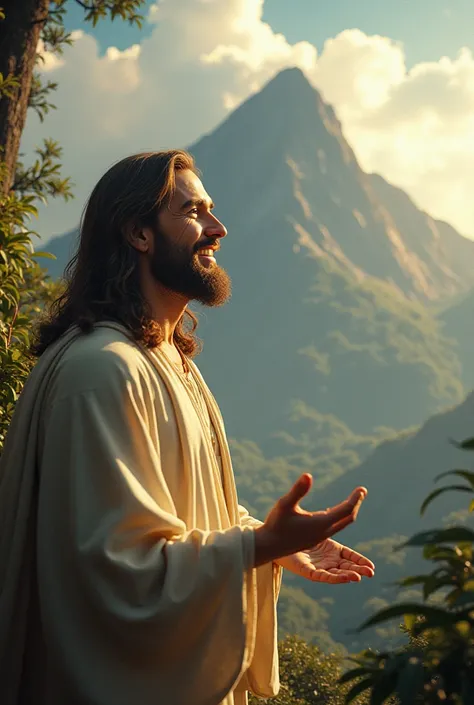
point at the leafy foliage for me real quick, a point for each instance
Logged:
(24, 290)
(308, 676)
(43, 178)
(438, 664)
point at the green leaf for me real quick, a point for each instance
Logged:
(410, 620)
(442, 490)
(357, 689)
(466, 474)
(434, 614)
(450, 535)
(353, 674)
(465, 445)
(46, 255)
(431, 585)
(11, 395)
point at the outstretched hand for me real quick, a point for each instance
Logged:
(329, 562)
(289, 529)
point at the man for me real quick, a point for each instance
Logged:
(130, 574)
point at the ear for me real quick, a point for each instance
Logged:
(138, 237)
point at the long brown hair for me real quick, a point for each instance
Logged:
(102, 279)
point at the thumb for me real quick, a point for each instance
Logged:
(301, 488)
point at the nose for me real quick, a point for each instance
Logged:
(215, 228)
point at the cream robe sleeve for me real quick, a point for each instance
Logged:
(262, 676)
(137, 607)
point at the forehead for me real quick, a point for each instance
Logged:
(188, 186)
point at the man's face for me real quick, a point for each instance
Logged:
(187, 231)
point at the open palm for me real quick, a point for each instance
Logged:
(329, 562)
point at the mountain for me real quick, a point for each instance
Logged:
(329, 298)
(63, 248)
(458, 323)
(443, 256)
(300, 160)
(325, 307)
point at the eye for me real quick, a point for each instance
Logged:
(194, 211)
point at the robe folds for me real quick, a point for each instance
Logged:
(126, 562)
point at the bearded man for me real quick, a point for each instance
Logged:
(130, 575)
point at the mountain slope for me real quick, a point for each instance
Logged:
(458, 323)
(443, 255)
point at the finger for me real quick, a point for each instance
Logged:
(351, 575)
(301, 488)
(365, 571)
(333, 529)
(350, 555)
(349, 507)
(360, 569)
(324, 576)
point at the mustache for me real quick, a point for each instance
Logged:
(207, 243)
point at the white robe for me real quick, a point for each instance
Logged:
(127, 576)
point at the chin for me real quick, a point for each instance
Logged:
(217, 295)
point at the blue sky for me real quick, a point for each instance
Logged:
(428, 29)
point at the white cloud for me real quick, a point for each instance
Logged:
(49, 60)
(205, 56)
(415, 127)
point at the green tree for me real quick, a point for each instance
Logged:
(437, 666)
(24, 287)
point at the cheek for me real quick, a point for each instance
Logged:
(190, 233)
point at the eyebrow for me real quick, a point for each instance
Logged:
(197, 202)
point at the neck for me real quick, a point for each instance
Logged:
(166, 306)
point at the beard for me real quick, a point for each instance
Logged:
(181, 271)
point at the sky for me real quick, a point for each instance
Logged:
(399, 73)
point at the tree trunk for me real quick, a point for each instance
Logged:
(19, 35)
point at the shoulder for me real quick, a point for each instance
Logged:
(104, 359)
